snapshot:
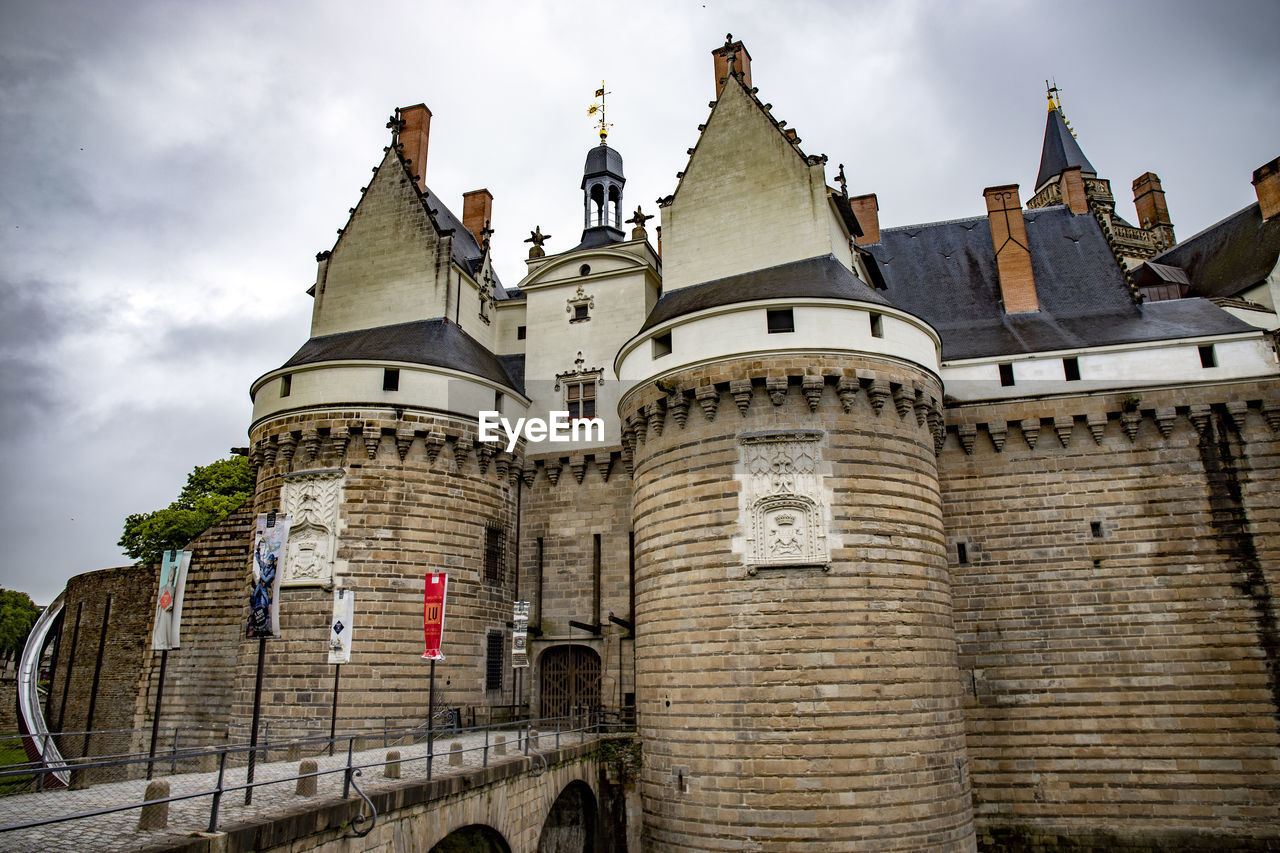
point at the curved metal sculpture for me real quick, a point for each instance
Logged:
(38, 743)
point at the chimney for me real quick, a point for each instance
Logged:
(477, 211)
(1073, 190)
(1013, 258)
(1266, 181)
(413, 139)
(866, 209)
(741, 62)
(1153, 212)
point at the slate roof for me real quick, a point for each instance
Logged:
(435, 342)
(1230, 257)
(945, 273)
(1060, 151)
(822, 277)
(602, 160)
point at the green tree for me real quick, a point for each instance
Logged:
(211, 493)
(17, 614)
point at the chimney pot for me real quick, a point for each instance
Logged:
(413, 138)
(1013, 257)
(477, 209)
(866, 208)
(1266, 182)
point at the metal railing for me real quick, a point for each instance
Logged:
(530, 737)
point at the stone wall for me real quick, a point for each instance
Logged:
(1115, 614)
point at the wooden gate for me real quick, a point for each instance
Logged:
(570, 681)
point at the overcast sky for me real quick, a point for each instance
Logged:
(168, 172)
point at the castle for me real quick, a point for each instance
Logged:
(897, 538)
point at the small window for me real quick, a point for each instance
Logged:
(497, 401)
(494, 552)
(781, 320)
(391, 379)
(1006, 375)
(286, 384)
(585, 269)
(493, 661)
(877, 325)
(1071, 369)
(580, 313)
(1208, 358)
(662, 345)
(1095, 529)
(580, 399)
(520, 333)
(962, 553)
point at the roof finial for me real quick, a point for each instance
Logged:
(843, 182)
(599, 108)
(1052, 93)
(396, 123)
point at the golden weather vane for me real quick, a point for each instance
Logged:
(599, 108)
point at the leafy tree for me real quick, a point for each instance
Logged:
(17, 614)
(211, 493)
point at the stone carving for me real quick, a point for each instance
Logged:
(312, 501)
(782, 502)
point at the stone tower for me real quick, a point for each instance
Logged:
(796, 663)
(368, 437)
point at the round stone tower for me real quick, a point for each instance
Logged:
(795, 658)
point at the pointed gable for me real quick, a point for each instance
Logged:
(748, 199)
(1060, 151)
(391, 261)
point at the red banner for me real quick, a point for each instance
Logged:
(433, 614)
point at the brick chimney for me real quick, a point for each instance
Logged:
(1266, 181)
(1013, 258)
(1153, 212)
(413, 138)
(741, 62)
(866, 208)
(477, 210)
(1073, 195)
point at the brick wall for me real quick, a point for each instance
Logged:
(1115, 615)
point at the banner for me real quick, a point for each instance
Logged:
(344, 610)
(173, 580)
(433, 614)
(269, 542)
(520, 635)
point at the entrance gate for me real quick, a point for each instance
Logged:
(570, 681)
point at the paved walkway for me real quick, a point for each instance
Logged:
(119, 831)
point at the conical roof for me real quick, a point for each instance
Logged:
(1061, 151)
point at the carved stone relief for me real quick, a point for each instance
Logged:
(783, 504)
(312, 501)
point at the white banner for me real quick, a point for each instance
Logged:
(173, 580)
(269, 543)
(344, 611)
(519, 635)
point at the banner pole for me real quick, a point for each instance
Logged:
(155, 718)
(333, 720)
(253, 731)
(431, 718)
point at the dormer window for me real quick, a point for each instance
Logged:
(579, 306)
(578, 388)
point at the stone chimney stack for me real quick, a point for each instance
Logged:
(413, 138)
(477, 211)
(741, 62)
(1013, 257)
(1266, 181)
(1073, 194)
(1153, 212)
(866, 208)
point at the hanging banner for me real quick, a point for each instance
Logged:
(520, 635)
(433, 614)
(344, 610)
(270, 538)
(173, 580)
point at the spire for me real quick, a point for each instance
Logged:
(1060, 151)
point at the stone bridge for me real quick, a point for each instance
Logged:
(573, 802)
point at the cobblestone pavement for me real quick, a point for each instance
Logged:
(119, 831)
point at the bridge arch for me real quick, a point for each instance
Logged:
(572, 821)
(473, 838)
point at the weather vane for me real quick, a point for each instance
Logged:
(599, 108)
(1053, 91)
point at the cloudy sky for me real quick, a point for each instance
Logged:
(169, 170)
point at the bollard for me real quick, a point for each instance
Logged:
(306, 784)
(500, 745)
(392, 768)
(155, 815)
(79, 778)
(455, 754)
(293, 753)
